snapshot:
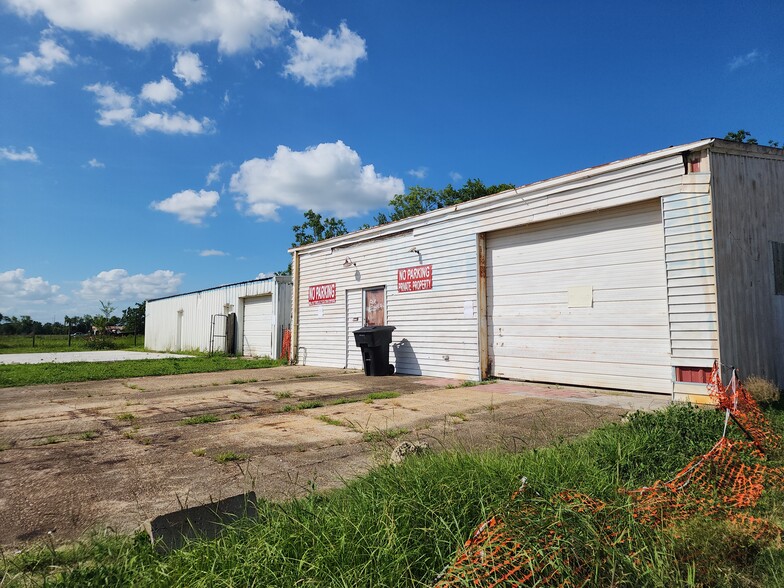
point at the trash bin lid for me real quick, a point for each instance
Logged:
(373, 336)
(376, 328)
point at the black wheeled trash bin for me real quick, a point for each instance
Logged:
(374, 344)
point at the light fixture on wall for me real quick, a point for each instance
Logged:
(413, 250)
(348, 262)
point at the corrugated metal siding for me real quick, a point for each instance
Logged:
(621, 340)
(748, 215)
(197, 310)
(437, 330)
(691, 278)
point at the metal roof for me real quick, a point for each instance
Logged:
(219, 287)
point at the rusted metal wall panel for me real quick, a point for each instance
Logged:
(748, 197)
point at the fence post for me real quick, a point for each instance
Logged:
(69, 335)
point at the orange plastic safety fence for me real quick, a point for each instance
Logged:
(285, 348)
(522, 548)
(527, 546)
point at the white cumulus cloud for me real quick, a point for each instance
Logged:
(189, 68)
(176, 123)
(162, 91)
(327, 178)
(14, 286)
(419, 173)
(11, 154)
(212, 253)
(116, 107)
(118, 285)
(321, 62)
(32, 66)
(189, 206)
(95, 164)
(235, 25)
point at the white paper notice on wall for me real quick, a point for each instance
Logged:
(468, 309)
(580, 297)
(320, 311)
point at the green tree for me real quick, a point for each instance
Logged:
(315, 228)
(419, 200)
(104, 319)
(741, 136)
(133, 318)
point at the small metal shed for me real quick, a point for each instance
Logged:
(633, 275)
(246, 318)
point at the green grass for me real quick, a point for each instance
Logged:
(373, 436)
(303, 405)
(228, 456)
(126, 416)
(344, 400)
(201, 419)
(51, 343)
(241, 381)
(331, 421)
(382, 395)
(399, 526)
(56, 373)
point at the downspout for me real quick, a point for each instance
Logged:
(293, 354)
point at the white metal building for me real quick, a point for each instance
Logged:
(246, 318)
(633, 275)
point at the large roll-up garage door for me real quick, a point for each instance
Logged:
(581, 301)
(257, 326)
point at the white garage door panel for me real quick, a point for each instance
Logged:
(257, 326)
(622, 341)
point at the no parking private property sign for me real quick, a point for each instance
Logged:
(415, 279)
(322, 294)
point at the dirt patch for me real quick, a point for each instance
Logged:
(111, 454)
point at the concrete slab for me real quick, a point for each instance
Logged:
(114, 453)
(72, 356)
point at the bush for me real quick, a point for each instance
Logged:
(100, 342)
(762, 390)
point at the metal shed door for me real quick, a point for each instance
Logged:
(257, 326)
(581, 301)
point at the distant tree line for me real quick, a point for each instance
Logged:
(132, 320)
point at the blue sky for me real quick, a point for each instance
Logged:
(149, 147)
